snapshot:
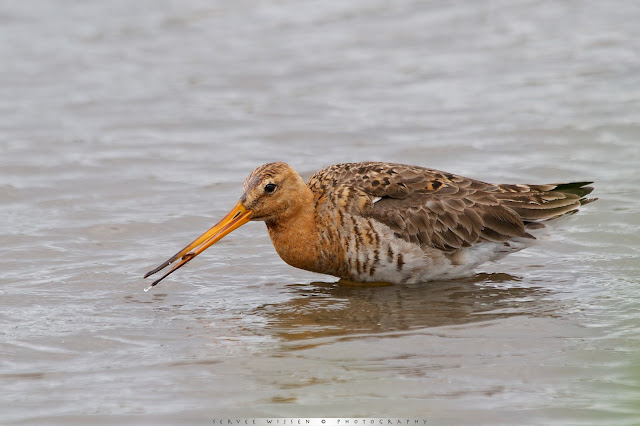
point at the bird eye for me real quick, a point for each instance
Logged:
(269, 188)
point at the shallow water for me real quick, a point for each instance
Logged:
(127, 129)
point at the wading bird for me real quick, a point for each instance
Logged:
(385, 222)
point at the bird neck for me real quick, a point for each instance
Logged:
(294, 234)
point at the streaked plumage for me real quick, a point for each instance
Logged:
(390, 222)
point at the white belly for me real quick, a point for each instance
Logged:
(398, 261)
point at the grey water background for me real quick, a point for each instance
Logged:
(127, 129)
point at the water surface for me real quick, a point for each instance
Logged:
(126, 130)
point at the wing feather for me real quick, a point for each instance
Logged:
(447, 211)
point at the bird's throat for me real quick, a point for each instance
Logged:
(295, 237)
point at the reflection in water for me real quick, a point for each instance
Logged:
(329, 309)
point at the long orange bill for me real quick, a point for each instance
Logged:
(237, 217)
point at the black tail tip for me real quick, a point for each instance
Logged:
(581, 189)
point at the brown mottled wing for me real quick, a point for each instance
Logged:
(446, 211)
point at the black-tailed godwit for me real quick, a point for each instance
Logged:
(385, 222)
